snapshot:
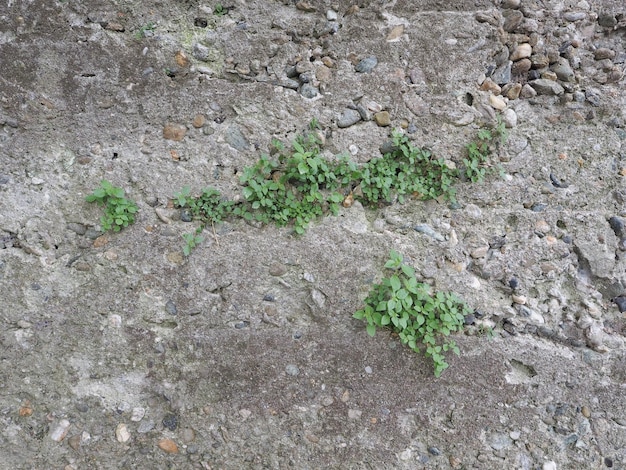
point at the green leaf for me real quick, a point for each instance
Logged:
(371, 330)
(395, 283)
(385, 320)
(359, 314)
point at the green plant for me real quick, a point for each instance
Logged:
(422, 321)
(220, 10)
(296, 187)
(208, 208)
(141, 32)
(406, 170)
(479, 151)
(119, 212)
(192, 240)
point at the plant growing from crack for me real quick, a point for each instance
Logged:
(119, 212)
(422, 320)
(476, 163)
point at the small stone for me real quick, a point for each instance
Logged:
(277, 269)
(522, 51)
(348, 118)
(509, 116)
(312, 437)
(170, 421)
(100, 241)
(235, 138)
(586, 412)
(368, 370)
(512, 20)
(305, 6)
(499, 441)
(198, 121)
(79, 229)
(26, 409)
(497, 102)
(168, 446)
(331, 15)
(480, 252)
(121, 433)
(563, 70)
(519, 299)
(292, 370)
(527, 91)
(547, 87)
(515, 435)
(502, 74)
(174, 132)
(74, 442)
(455, 462)
(395, 33)
(181, 59)
(308, 91)
(521, 67)
(145, 426)
(245, 413)
(550, 465)
(366, 65)
(137, 414)
(512, 90)
(434, 451)
(170, 307)
(574, 16)
(188, 435)
(620, 301)
(489, 85)
(354, 414)
(382, 118)
(201, 52)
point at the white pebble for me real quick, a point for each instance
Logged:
(550, 465)
(59, 433)
(244, 413)
(331, 15)
(368, 369)
(121, 433)
(353, 149)
(138, 414)
(510, 118)
(354, 414)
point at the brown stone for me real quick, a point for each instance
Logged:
(395, 33)
(174, 132)
(100, 241)
(181, 59)
(198, 121)
(382, 118)
(168, 446)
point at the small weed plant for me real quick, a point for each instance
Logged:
(209, 208)
(119, 212)
(479, 152)
(406, 170)
(296, 184)
(423, 321)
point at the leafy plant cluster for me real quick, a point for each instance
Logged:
(119, 212)
(406, 170)
(296, 185)
(479, 152)
(422, 320)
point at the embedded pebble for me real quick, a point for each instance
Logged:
(168, 446)
(292, 369)
(366, 65)
(545, 86)
(60, 431)
(429, 231)
(354, 414)
(519, 299)
(170, 421)
(174, 132)
(348, 118)
(122, 434)
(522, 51)
(138, 414)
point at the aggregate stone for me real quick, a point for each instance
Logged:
(292, 369)
(308, 91)
(235, 138)
(502, 74)
(366, 65)
(563, 70)
(348, 118)
(547, 87)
